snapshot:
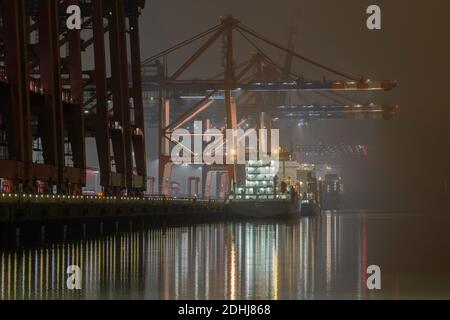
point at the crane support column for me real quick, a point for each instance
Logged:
(15, 100)
(51, 114)
(138, 135)
(230, 101)
(121, 135)
(73, 111)
(102, 124)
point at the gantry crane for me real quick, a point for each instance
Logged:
(258, 75)
(46, 92)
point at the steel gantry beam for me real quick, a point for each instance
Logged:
(328, 154)
(275, 86)
(45, 86)
(318, 112)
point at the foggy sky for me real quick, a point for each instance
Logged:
(409, 166)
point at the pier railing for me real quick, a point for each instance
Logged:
(46, 207)
(79, 199)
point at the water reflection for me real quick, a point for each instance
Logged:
(324, 257)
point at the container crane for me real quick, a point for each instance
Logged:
(235, 82)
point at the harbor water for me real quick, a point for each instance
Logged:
(324, 257)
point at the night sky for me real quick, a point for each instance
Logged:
(409, 161)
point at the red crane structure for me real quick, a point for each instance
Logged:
(45, 89)
(256, 77)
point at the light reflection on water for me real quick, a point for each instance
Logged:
(323, 257)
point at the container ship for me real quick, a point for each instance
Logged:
(274, 191)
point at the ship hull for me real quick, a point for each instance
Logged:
(309, 210)
(263, 209)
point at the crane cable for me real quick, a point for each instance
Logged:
(292, 75)
(267, 58)
(180, 45)
(294, 54)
